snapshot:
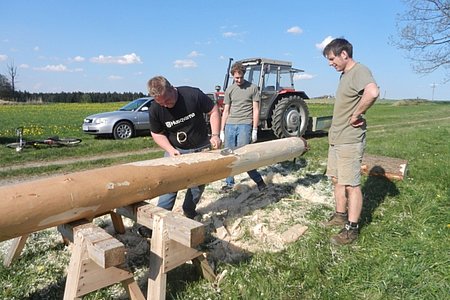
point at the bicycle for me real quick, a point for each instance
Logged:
(54, 141)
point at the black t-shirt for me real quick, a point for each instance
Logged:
(184, 124)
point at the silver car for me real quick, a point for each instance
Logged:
(123, 123)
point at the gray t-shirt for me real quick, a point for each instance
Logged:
(241, 98)
(349, 93)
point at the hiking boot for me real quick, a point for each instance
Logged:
(261, 185)
(346, 236)
(145, 232)
(193, 216)
(337, 219)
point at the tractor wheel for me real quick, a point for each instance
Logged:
(290, 117)
(123, 130)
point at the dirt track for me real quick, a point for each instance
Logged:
(64, 162)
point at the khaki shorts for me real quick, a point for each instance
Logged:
(344, 163)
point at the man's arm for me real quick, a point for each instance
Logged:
(214, 122)
(370, 95)
(225, 114)
(255, 114)
(164, 143)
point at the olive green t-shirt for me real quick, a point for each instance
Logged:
(241, 98)
(349, 93)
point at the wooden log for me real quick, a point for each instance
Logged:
(390, 167)
(32, 206)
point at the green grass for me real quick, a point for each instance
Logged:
(402, 253)
(63, 120)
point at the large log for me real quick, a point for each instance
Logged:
(32, 206)
(389, 167)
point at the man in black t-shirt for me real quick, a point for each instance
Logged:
(177, 125)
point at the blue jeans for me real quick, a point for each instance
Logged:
(193, 194)
(238, 135)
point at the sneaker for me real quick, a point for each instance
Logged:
(347, 235)
(337, 219)
(145, 232)
(193, 215)
(261, 185)
(226, 188)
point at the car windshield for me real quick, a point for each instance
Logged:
(133, 105)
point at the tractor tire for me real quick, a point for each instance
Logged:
(123, 130)
(290, 117)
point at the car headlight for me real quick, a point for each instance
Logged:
(100, 121)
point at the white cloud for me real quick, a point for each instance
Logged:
(78, 58)
(53, 68)
(324, 43)
(126, 59)
(303, 76)
(57, 68)
(194, 54)
(184, 63)
(229, 34)
(295, 30)
(24, 66)
(3, 57)
(36, 48)
(115, 77)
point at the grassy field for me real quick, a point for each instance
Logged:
(403, 249)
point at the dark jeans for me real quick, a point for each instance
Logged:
(193, 194)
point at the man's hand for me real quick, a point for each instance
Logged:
(254, 135)
(174, 152)
(357, 121)
(222, 136)
(215, 141)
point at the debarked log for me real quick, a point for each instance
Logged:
(32, 206)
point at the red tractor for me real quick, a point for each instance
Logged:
(282, 109)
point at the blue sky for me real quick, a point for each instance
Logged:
(100, 46)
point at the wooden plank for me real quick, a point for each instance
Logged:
(74, 270)
(86, 275)
(133, 290)
(117, 222)
(187, 232)
(157, 277)
(205, 268)
(145, 214)
(181, 229)
(390, 167)
(94, 277)
(178, 254)
(102, 248)
(66, 230)
(15, 249)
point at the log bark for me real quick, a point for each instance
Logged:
(389, 167)
(32, 206)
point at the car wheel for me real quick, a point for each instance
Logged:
(123, 130)
(290, 117)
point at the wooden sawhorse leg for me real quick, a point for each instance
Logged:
(16, 248)
(96, 263)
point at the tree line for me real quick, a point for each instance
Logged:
(9, 94)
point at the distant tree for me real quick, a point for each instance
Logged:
(424, 32)
(86, 98)
(12, 71)
(5, 87)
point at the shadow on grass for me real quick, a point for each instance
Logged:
(374, 191)
(7, 140)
